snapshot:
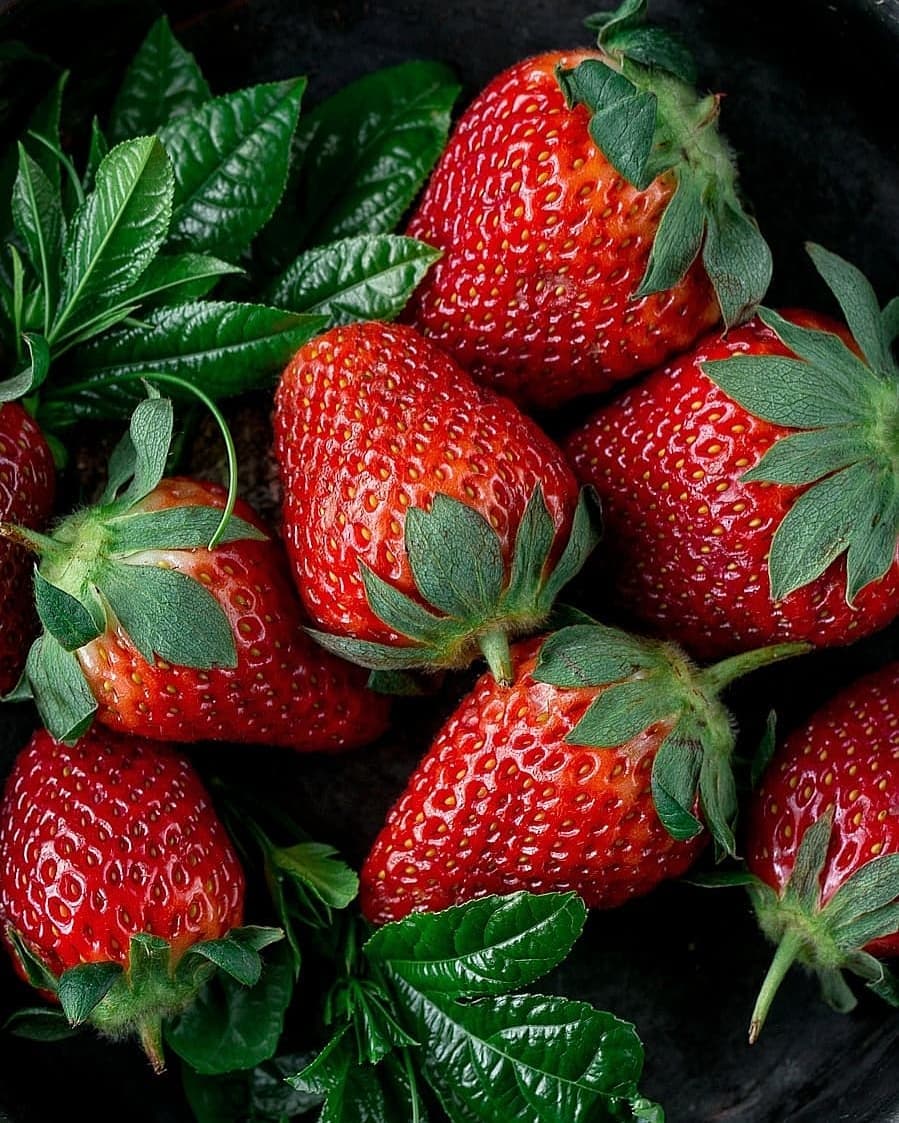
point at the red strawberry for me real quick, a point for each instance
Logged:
(583, 209)
(103, 844)
(27, 486)
(425, 516)
(823, 844)
(586, 774)
(751, 489)
(155, 634)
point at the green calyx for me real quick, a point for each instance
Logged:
(844, 408)
(469, 603)
(137, 999)
(827, 938)
(98, 571)
(648, 120)
(648, 683)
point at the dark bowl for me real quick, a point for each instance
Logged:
(810, 109)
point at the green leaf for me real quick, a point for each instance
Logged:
(765, 750)
(237, 953)
(62, 696)
(364, 278)
(592, 655)
(37, 215)
(64, 617)
(260, 1095)
(175, 528)
(83, 988)
(163, 82)
(656, 48)
(231, 157)
(224, 348)
(872, 547)
(176, 278)
(859, 303)
(484, 947)
(363, 155)
(32, 377)
(455, 557)
(99, 149)
(533, 543)
(404, 615)
(317, 868)
(678, 239)
(39, 1023)
(805, 880)
(625, 710)
(119, 229)
(804, 457)
(817, 528)
(586, 530)
(43, 132)
(737, 260)
(150, 434)
(523, 1057)
(675, 774)
(232, 1026)
(167, 613)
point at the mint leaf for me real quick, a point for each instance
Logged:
(261, 1095)
(118, 231)
(231, 157)
(484, 947)
(38, 219)
(315, 867)
(365, 278)
(162, 82)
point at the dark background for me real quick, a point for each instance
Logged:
(810, 108)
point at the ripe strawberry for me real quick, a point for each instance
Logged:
(823, 844)
(586, 212)
(590, 772)
(153, 633)
(751, 489)
(27, 486)
(425, 516)
(112, 855)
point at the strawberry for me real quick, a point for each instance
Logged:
(27, 486)
(425, 516)
(586, 212)
(117, 881)
(822, 844)
(154, 633)
(751, 489)
(593, 772)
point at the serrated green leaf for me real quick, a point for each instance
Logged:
(83, 988)
(231, 157)
(62, 696)
(98, 150)
(166, 613)
(237, 953)
(118, 231)
(33, 375)
(804, 457)
(163, 82)
(405, 616)
(175, 528)
(675, 776)
(64, 617)
(43, 132)
(737, 260)
(859, 303)
(678, 239)
(224, 348)
(872, 547)
(592, 655)
(231, 1026)
(484, 947)
(586, 531)
(364, 278)
(38, 219)
(176, 278)
(316, 867)
(455, 557)
(524, 1056)
(362, 156)
(817, 528)
(625, 710)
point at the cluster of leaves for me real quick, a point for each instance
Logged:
(108, 273)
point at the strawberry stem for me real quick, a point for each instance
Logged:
(714, 679)
(494, 647)
(787, 951)
(38, 543)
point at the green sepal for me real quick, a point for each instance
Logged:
(625, 34)
(376, 656)
(718, 797)
(64, 617)
(886, 987)
(590, 653)
(237, 953)
(39, 1023)
(398, 683)
(725, 879)
(737, 260)
(152, 604)
(36, 971)
(586, 531)
(678, 239)
(889, 319)
(175, 528)
(82, 988)
(675, 773)
(765, 750)
(626, 709)
(404, 615)
(150, 432)
(809, 455)
(63, 698)
(32, 377)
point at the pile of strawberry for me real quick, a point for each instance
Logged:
(729, 498)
